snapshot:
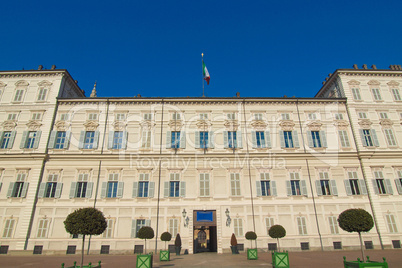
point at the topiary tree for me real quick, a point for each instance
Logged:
(146, 232)
(277, 231)
(251, 236)
(166, 236)
(85, 221)
(356, 220)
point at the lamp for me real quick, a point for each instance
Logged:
(186, 219)
(228, 219)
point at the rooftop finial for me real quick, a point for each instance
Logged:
(93, 93)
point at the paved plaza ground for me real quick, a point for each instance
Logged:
(326, 259)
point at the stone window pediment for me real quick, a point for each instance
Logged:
(314, 126)
(373, 83)
(287, 125)
(354, 83)
(259, 124)
(22, 83)
(9, 125)
(119, 125)
(365, 123)
(341, 124)
(44, 84)
(33, 125)
(62, 125)
(91, 125)
(386, 123)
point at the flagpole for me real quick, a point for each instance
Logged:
(202, 67)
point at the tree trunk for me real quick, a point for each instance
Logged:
(145, 247)
(82, 250)
(279, 248)
(361, 246)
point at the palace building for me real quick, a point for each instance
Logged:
(202, 167)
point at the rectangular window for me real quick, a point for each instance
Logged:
(112, 185)
(5, 141)
(18, 95)
(108, 233)
(146, 139)
(356, 94)
(362, 115)
(32, 135)
(383, 116)
(268, 223)
(42, 94)
(43, 225)
(143, 185)
(265, 184)
(117, 140)
(60, 140)
(395, 93)
(204, 184)
(258, 116)
(139, 224)
(376, 94)
(203, 139)
(235, 184)
(391, 223)
(231, 116)
(238, 227)
(354, 183)
(368, 140)
(333, 225)
(338, 116)
(175, 139)
(295, 183)
(8, 228)
(12, 117)
(120, 117)
(82, 185)
(176, 116)
(312, 116)
(89, 139)
(380, 182)
(232, 139)
(288, 139)
(174, 189)
(203, 116)
(173, 226)
(260, 139)
(148, 116)
(315, 135)
(64, 117)
(92, 116)
(343, 137)
(285, 116)
(36, 116)
(389, 135)
(50, 189)
(17, 191)
(301, 225)
(324, 183)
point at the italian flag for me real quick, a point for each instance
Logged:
(205, 72)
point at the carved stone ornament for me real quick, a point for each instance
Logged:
(33, 125)
(365, 123)
(341, 124)
(22, 83)
(354, 82)
(373, 83)
(203, 124)
(231, 125)
(44, 83)
(119, 125)
(393, 84)
(147, 124)
(259, 124)
(175, 124)
(62, 125)
(287, 125)
(314, 126)
(91, 125)
(9, 125)
(386, 123)
(2, 84)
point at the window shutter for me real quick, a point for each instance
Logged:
(11, 142)
(273, 187)
(254, 138)
(67, 140)
(318, 187)
(81, 141)
(59, 187)
(398, 185)
(73, 189)
(310, 139)
(133, 228)
(168, 139)
(376, 190)
(211, 141)
(135, 189)
(334, 189)
(148, 223)
(363, 188)
(37, 139)
(362, 137)
(389, 186)
(23, 139)
(197, 139)
(90, 187)
(151, 189)
(120, 188)
(323, 138)
(166, 189)
(303, 187)
(110, 139)
(282, 138)
(375, 139)
(347, 187)
(258, 187)
(182, 189)
(267, 139)
(124, 141)
(24, 189)
(52, 139)
(288, 188)
(225, 139)
(104, 188)
(10, 189)
(239, 140)
(1, 135)
(295, 138)
(182, 140)
(41, 192)
(96, 140)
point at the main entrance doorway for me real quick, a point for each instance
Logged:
(204, 231)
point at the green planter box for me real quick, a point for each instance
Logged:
(144, 261)
(90, 265)
(280, 259)
(164, 255)
(252, 254)
(362, 264)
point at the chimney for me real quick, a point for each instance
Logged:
(355, 66)
(365, 66)
(40, 67)
(53, 67)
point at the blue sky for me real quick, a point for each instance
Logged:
(153, 48)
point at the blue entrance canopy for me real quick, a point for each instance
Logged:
(204, 216)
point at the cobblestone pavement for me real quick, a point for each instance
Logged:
(313, 259)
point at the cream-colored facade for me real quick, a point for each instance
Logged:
(200, 166)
